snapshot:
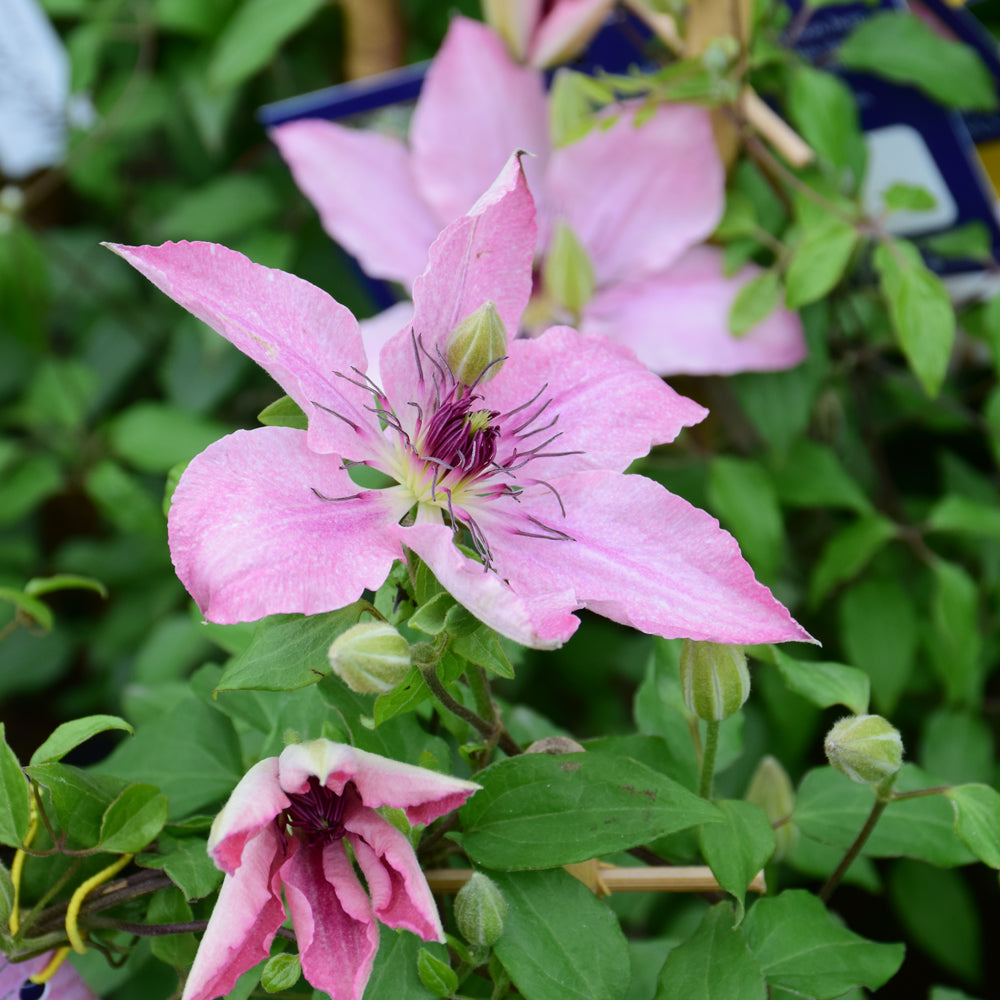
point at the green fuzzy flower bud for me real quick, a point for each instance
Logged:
(370, 658)
(477, 345)
(568, 273)
(714, 679)
(866, 748)
(771, 789)
(480, 910)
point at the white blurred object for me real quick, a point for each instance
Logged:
(34, 91)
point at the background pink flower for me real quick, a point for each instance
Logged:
(283, 830)
(640, 201)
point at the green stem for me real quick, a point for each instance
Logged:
(855, 849)
(708, 759)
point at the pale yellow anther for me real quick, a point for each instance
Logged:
(76, 901)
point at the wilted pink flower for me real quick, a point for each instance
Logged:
(526, 469)
(284, 828)
(639, 200)
(65, 984)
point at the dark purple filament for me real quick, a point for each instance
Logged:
(316, 815)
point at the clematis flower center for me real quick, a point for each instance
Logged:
(316, 815)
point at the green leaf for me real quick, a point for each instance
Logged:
(152, 437)
(819, 261)
(394, 975)
(847, 553)
(939, 913)
(72, 734)
(920, 309)
(882, 645)
(187, 863)
(63, 581)
(79, 799)
(284, 412)
(964, 516)
(971, 241)
(483, 648)
(538, 810)
(219, 210)
(811, 475)
(713, 964)
(802, 947)
(133, 820)
(431, 618)
(822, 108)
(437, 975)
(737, 848)
(410, 692)
(559, 940)
(832, 809)
(288, 651)
(742, 496)
(754, 302)
(977, 820)
(15, 808)
(954, 641)
(900, 197)
(902, 48)
(168, 906)
(253, 35)
(739, 217)
(572, 102)
(825, 684)
(29, 608)
(282, 972)
(957, 747)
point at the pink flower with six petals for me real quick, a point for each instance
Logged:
(284, 828)
(526, 468)
(640, 201)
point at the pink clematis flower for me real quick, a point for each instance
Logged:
(639, 200)
(284, 827)
(65, 984)
(525, 467)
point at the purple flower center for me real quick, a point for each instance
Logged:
(317, 814)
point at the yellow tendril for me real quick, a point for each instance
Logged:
(52, 968)
(76, 901)
(17, 867)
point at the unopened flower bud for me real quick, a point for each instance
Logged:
(714, 679)
(866, 748)
(477, 346)
(568, 273)
(480, 910)
(370, 658)
(771, 789)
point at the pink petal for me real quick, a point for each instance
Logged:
(399, 892)
(243, 923)
(514, 21)
(484, 256)
(536, 619)
(254, 803)
(363, 188)
(423, 795)
(567, 29)
(643, 557)
(609, 407)
(476, 108)
(65, 983)
(677, 321)
(332, 917)
(249, 537)
(638, 196)
(378, 330)
(293, 330)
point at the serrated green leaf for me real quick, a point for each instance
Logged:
(737, 848)
(15, 808)
(559, 940)
(288, 652)
(133, 820)
(802, 947)
(71, 734)
(900, 47)
(825, 684)
(284, 412)
(282, 972)
(715, 963)
(819, 261)
(754, 302)
(538, 810)
(977, 820)
(920, 309)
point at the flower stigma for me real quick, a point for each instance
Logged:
(316, 815)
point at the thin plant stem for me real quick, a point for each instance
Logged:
(855, 849)
(708, 759)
